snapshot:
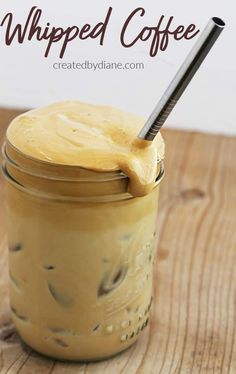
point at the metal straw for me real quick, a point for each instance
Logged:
(181, 80)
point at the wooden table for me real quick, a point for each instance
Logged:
(193, 325)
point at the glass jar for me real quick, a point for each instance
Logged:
(81, 252)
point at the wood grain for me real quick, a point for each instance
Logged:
(193, 326)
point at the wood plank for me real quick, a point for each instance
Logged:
(193, 323)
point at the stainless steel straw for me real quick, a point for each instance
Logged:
(182, 78)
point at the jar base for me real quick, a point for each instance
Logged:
(76, 360)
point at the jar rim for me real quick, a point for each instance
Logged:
(71, 183)
(56, 197)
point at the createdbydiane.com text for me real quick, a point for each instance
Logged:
(100, 65)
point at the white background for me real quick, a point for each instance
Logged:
(27, 79)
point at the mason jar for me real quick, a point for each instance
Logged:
(81, 252)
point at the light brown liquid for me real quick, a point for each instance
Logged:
(80, 253)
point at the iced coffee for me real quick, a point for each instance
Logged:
(82, 194)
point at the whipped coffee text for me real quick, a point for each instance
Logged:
(36, 28)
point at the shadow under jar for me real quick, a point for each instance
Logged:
(81, 252)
